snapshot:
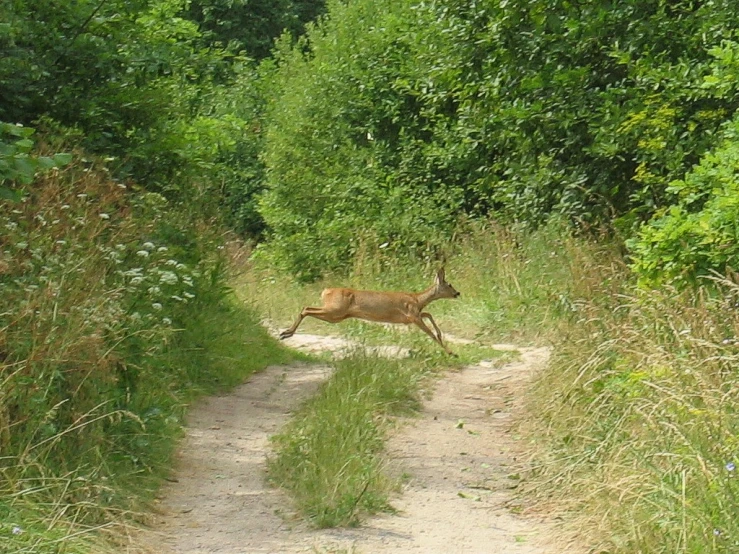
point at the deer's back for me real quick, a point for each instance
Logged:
(389, 307)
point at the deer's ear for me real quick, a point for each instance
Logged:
(440, 275)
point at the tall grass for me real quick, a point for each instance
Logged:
(113, 315)
(640, 412)
(635, 418)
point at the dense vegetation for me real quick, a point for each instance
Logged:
(400, 118)
(374, 134)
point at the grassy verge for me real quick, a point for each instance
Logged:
(113, 318)
(639, 410)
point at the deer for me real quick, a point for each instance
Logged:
(384, 307)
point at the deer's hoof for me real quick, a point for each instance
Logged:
(285, 334)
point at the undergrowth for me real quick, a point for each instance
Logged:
(114, 315)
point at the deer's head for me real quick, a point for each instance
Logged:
(444, 289)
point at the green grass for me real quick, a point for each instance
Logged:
(330, 455)
(108, 480)
(110, 327)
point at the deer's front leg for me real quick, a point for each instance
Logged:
(419, 322)
(427, 315)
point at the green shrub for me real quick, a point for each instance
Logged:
(698, 236)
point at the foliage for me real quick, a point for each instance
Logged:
(251, 25)
(113, 314)
(17, 165)
(398, 119)
(147, 84)
(330, 186)
(697, 234)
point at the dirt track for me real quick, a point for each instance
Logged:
(459, 453)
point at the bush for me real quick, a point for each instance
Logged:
(698, 235)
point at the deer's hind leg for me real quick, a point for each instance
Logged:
(323, 314)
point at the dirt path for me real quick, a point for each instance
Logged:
(459, 454)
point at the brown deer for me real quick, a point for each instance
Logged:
(385, 307)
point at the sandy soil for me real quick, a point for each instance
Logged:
(460, 456)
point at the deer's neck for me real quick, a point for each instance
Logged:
(427, 296)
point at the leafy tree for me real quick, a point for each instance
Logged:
(420, 113)
(251, 25)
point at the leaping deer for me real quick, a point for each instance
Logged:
(384, 307)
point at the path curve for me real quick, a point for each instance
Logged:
(459, 454)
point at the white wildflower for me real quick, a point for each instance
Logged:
(162, 249)
(148, 246)
(167, 321)
(143, 253)
(168, 278)
(82, 195)
(157, 306)
(154, 290)
(188, 295)
(137, 280)
(171, 262)
(178, 298)
(104, 216)
(17, 530)
(65, 207)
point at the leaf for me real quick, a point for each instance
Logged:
(62, 159)
(10, 194)
(45, 162)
